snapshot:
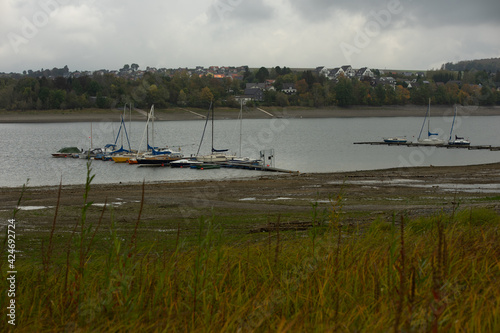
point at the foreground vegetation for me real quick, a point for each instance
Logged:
(438, 273)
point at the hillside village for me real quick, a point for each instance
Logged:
(231, 85)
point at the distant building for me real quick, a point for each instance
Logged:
(255, 94)
(335, 73)
(289, 88)
(348, 71)
(364, 72)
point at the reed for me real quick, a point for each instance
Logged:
(436, 273)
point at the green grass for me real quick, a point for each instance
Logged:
(438, 273)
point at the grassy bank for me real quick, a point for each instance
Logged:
(436, 273)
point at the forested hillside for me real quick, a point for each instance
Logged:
(488, 65)
(183, 88)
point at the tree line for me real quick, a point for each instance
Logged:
(489, 65)
(183, 90)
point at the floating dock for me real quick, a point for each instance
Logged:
(250, 166)
(416, 144)
(234, 165)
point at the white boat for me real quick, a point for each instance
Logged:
(396, 139)
(155, 155)
(432, 138)
(184, 163)
(458, 141)
(216, 157)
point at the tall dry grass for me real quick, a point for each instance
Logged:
(431, 274)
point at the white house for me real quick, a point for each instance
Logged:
(289, 88)
(348, 71)
(364, 71)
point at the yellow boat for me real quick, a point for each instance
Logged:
(123, 158)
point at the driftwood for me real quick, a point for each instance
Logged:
(284, 226)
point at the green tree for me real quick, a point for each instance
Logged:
(487, 97)
(301, 86)
(57, 97)
(262, 74)
(182, 98)
(282, 99)
(102, 102)
(344, 91)
(441, 95)
(318, 95)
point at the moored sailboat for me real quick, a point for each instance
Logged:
(432, 138)
(216, 155)
(155, 155)
(458, 141)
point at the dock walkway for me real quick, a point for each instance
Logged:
(416, 144)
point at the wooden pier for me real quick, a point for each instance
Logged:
(250, 166)
(416, 144)
(235, 165)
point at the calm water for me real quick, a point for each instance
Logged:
(305, 145)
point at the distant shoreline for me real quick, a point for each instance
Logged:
(180, 114)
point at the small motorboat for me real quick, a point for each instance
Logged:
(459, 141)
(395, 139)
(67, 152)
(184, 163)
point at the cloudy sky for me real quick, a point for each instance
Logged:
(96, 34)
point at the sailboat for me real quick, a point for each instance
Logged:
(92, 152)
(240, 159)
(458, 141)
(155, 155)
(123, 155)
(217, 155)
(432, 138)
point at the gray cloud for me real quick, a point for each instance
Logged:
(425, 12)
(91, 34)
(240, 11)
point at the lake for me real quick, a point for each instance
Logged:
(305, 145)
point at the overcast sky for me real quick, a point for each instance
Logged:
(97, 34)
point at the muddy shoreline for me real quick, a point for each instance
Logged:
(366, 195)
(177, 114)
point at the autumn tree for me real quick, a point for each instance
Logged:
(301, 86)
(206, 95)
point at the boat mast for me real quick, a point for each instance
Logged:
(429, 120)
(122, 123)
(153, 126)
(241, 122)
(453, 123)
(207, 118)
(423, 124)
(213, 107)
(145, 133)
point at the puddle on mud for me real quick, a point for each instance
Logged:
(113, 204)
(248, 199)
(275, 199)
(448, 187)
(34, 207)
